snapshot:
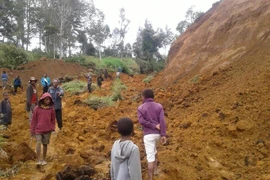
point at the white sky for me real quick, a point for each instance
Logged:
(159, 12)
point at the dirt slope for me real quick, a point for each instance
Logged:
(226, 33)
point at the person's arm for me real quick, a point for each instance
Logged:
(144, 122)
(34, 121)
(28, 95)
(134, 165)
(49, 81)
(162, 123)
(111, 168)
(61, 91)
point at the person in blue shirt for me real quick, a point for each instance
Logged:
(45, 82)
(4, 79)
(17, 83)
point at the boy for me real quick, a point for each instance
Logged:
(17, 83)
(125, 155)
(42, 124)
(5, 111)
(151, 117)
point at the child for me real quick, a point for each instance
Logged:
(42, 124)
(125, 155)
(5, 110)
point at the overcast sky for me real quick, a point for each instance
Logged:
(159, 12)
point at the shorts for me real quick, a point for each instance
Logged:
(43, 138)
(150, 144)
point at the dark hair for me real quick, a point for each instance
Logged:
(125, 126)
(148, 93)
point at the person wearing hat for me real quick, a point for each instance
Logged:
(57, 93)
(31, 97)
(89, 81)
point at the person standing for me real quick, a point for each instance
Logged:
(106, 74)
(45, 82)
(31, 97)
(99, 80)
(57, 94)
(151, 117)
(5, 110)
(4, 80)
(17, 83)
(42, 125)
(89, 82)
(125, 155)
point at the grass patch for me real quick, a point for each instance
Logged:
(77, 86)
(195, 79)
(117, 88)
(96, 102)
(148, 79)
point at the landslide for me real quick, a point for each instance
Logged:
(215, 90)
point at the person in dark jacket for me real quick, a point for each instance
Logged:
(17, 83)
(5, 110)
(31, 97)
(99, 81)
(57, 94)
(106, 74)
(42, 125)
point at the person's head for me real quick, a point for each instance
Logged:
(45, 75)
(46, 99)
(148, 93)
(33, 80)
(55, 83)
(4, 72)
(5, 95)
(125, 126)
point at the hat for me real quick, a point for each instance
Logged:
(33, 79)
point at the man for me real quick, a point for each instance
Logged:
(57, 93)
(99, 80)
(17, 83)
(45, 82)
(31, 97)
(4, 79)
(89, 81)
(151, 117)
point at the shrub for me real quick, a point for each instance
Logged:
(117, 88)
(148, 79)
(75, 86)
(11, 57)
(96, 102)
(150, 66)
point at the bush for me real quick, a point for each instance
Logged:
(147, 67)
(75, 86)
(117, 88)
(148, 79)
(11, 56)
(96, 102)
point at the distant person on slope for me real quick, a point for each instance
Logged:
(31, 97)
(99, 80)
(42, 124)
(89, 82)
(4, 80)
(151, 117)
(5, 110)
(118, 75)
(125, 155)
(45, 82)
(106, 75)
(17, 83)
(57, 94)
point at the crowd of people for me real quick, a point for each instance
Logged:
(45, 111)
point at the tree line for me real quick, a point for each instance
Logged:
(61, 25)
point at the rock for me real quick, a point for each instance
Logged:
(221, 116)
(226, 175)
(23, 153)
(81, 138)
(83, 172)
(243, 125)
(185, 125)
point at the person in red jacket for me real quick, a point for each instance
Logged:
(42, 124)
